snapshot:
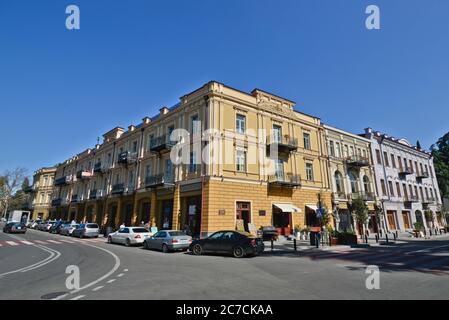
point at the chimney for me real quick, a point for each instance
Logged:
(146, 120)
(163, 110)
(131, 128)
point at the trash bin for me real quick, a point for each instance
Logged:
(107, 231)
(268, 233)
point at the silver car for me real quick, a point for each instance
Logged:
(168, 240)
(129, 236)
(86, 230)
(68, 228)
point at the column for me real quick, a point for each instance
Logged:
(153, 208)
(176, 209)
(135, 217)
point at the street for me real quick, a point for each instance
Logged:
(33, 266)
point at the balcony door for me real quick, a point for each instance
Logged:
(279, 167)
(277, 133)
(243, 213)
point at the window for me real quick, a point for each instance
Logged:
(353, 181)
(351, 151)
(337, 149)
(411, 165)
(168, 168)
(379, 160)
(331, 148)
(390, 185)
(404, 187)
(195, 124)
(277, 133)
(398, 189)
(399, 163)
(416, 167)
(393, 162)
(427, 193)
(240, 124)
(134, 147)
(131, 180)
(109, 159)
(422, 193)
(364, 153)
(309, 171)
(279, 167)
(386, 159)
(217, 235)
(345, 150)
(306, 138)
(339, 181)
(241, 161)
(192, 164)
(366, 184)
(384, 189)
(148, 171)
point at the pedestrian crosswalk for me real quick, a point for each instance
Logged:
(16, 243)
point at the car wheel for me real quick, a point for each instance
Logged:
(109, 239)
(127, 242)
(165, 248)
(197, 250)
(238, 252)
(145, 245)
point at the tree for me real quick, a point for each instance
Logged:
(11, 184)
(360, 210)
(440, 153)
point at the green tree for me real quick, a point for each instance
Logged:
(360, 209)
(440, 153)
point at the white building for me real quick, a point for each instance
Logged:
(406, 183)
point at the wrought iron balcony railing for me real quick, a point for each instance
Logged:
(118, 188)
(158, 180)
(285, 180)
(357, 161)
(284, 144)
(161, 144)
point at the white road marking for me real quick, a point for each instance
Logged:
(125, 270)
(53, 241)
(12, 243)
(77, 298)
(40, 242)
(107, 275)
(111, 281)
(121, 275)
(67, 241)
(98, 288)
(27, 242)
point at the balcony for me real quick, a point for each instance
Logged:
(284, 144)
(422, 175)
(365, 196)
(429, 200)
(158, 181)
(118, 188)
(29, 189)
(127, 158)
(161, 144)
(98, 168)
(56, 202)
(74, 198)
(83, 175)
(285, 180)
(357, 161)
(339, 196)
(405, 171)
(63, 181)
(411, 199)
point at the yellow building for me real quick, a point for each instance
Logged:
(242, 160)
(41, 193)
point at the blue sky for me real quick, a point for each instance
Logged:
(132, 57)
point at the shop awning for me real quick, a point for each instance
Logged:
(287, 207)
(312, 207)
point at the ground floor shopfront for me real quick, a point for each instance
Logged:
(202, 208)
(346, 221)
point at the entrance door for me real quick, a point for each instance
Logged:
(391, 221)
(193, 217)
(128, 214)
(406, 219)
(167, 214)
(145, 213)
(111, 218)
(282, 221)
(244, 213)
(372, 224)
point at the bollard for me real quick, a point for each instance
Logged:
(377, 238)
(397, 234)
(330, 241)
(394, 236)
(386, 237)
(317, 242)
(294, 245)
(366, 238)
(272, 244)
(430, 232)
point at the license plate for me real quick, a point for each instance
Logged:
(18, 228)
(184, 241)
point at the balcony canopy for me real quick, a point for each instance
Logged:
(287, 207)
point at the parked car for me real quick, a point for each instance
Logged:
(86, 230)
(14, 227)
(168, 240)
(129, 236)
(42, 226)
(236, 243)
(56, 227)
(35, 224)
(67, 229)
(49, 225)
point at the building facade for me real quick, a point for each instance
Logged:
(219, 159)
(352, 177)
(41, 192)
(406, 183)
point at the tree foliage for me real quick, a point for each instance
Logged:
(440, 153)
(360, 210)
(11, 193)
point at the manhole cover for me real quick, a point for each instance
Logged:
(53, 295)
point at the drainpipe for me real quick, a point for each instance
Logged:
(386, 183)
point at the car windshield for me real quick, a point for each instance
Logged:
(245, 234)
(177, 233)
(140, 230)
(92, 225)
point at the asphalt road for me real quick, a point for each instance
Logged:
(33, 266)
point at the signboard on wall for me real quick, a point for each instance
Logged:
(240, 225)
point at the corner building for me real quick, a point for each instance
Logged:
(253, 161)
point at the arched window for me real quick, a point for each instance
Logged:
(366, 184)
(353, 180)
(339, 181)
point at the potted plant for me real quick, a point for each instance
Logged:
(418, 227)
(347, 238)
(429, 216)
(305, 233)
(333, 236)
